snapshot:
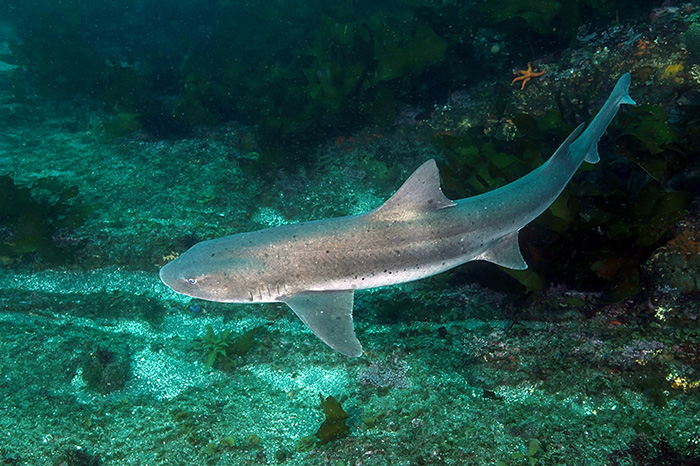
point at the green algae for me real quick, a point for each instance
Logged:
(538, 15)
(658, 450)
(222, 349)
(39, 220)
(60, 61)
(528, 457)
(633, 222)
(401, 54)
(334, 426)
(78, 457)
(341, 68)
(106, 370)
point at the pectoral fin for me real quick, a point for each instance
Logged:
(506, 253)
(329, 315)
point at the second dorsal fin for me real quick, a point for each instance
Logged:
(420, 193)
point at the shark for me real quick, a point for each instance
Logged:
(315, 267)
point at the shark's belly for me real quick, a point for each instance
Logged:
(386, 277)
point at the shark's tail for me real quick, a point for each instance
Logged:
(582, 144)
(586, 146)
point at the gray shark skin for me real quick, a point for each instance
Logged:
(315, 267)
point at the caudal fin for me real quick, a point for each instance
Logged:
(587, 144)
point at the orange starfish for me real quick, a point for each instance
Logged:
(526, 75)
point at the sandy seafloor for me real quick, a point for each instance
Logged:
(450, 382)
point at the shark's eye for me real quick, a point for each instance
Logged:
(191, 281)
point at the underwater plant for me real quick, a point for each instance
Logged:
(9, 458)
(79, 457)
(193, 427)
(59, 63)
(337, 69)
(691, 38)
(657, 451)
(548, 20)
(104, 370)
(620, 226)
(222, 349)
(334, 426)
(525, 458)
(39, 220)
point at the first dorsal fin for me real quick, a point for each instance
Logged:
(420, 193)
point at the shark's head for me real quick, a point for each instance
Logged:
(187, 279)
(200, 272)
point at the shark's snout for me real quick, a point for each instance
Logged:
(170, 276)
(179, 276)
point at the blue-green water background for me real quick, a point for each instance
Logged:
(132, 130)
